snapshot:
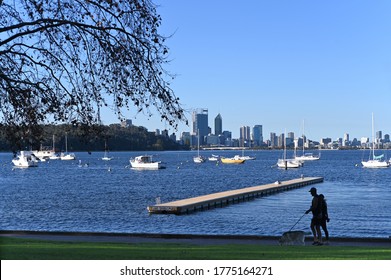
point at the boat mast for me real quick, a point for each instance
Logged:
(303, 139)
(198, 143)
(66, 142)
(373, 139)
(285, 145)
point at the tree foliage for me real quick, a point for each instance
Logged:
(62, 61)
(116, 137)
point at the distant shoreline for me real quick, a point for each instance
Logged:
(218, 149)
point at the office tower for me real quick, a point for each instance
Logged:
(379, 136)
(186, 138)
(281, 140)
(257, 135)
(345, 141)
(218, 125)
(290, 139)
(245, 136)
(200, 123)
(273, 139)
(324, 142)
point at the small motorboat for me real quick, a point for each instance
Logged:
(25, 159)
(146, 162)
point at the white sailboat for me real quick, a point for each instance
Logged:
(306, 156)
(243, 157)
(66, 156)
(198, 158)
(45, 153)
(106, 154)
(375, 161)
(288, 163)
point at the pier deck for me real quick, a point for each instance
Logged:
(204, 202)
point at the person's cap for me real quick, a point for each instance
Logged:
(312, 190)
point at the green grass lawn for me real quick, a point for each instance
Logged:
(31, 249)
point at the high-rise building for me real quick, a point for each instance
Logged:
(290, 139)
(291, 135)
(281, 140)
(324, 142)
(273, 139)
(200, 123)
(257, 135)
(218, 125)
(346, 140)
(379, 136)
(186, 138)
(245, 136)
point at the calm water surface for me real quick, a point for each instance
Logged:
(61, 196)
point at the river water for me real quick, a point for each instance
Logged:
(62, 196)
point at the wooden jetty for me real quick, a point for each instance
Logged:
(205, 202)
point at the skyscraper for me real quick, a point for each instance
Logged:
(200, 123)
(273, 139)
(346, 140)
(245, 136)
(379, 135)
(257, 135)
(218, 125)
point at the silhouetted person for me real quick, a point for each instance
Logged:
(325, 218)
(316, 209)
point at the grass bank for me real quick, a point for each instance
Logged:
(32, 249)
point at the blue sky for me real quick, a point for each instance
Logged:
(277, 63)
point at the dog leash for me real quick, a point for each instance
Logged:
(297, 222)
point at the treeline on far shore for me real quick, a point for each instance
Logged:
(113, 137)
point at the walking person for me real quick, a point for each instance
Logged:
(316, 209)
(325, 218)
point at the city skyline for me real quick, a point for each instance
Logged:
(279, 63)
(202, 123)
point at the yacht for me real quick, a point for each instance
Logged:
(66, 155)
(145, 162)
(25, 159)
(375, 161)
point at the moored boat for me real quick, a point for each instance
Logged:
(234, 160)
(145, 162)
(66, 155)
(307, 157)
(44, 154)
(198, 159)
(25, 159)
(289, 163)
(106, 156)
(247, 157)
(375, 161)
(213, 158)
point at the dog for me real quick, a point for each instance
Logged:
(292, 238)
